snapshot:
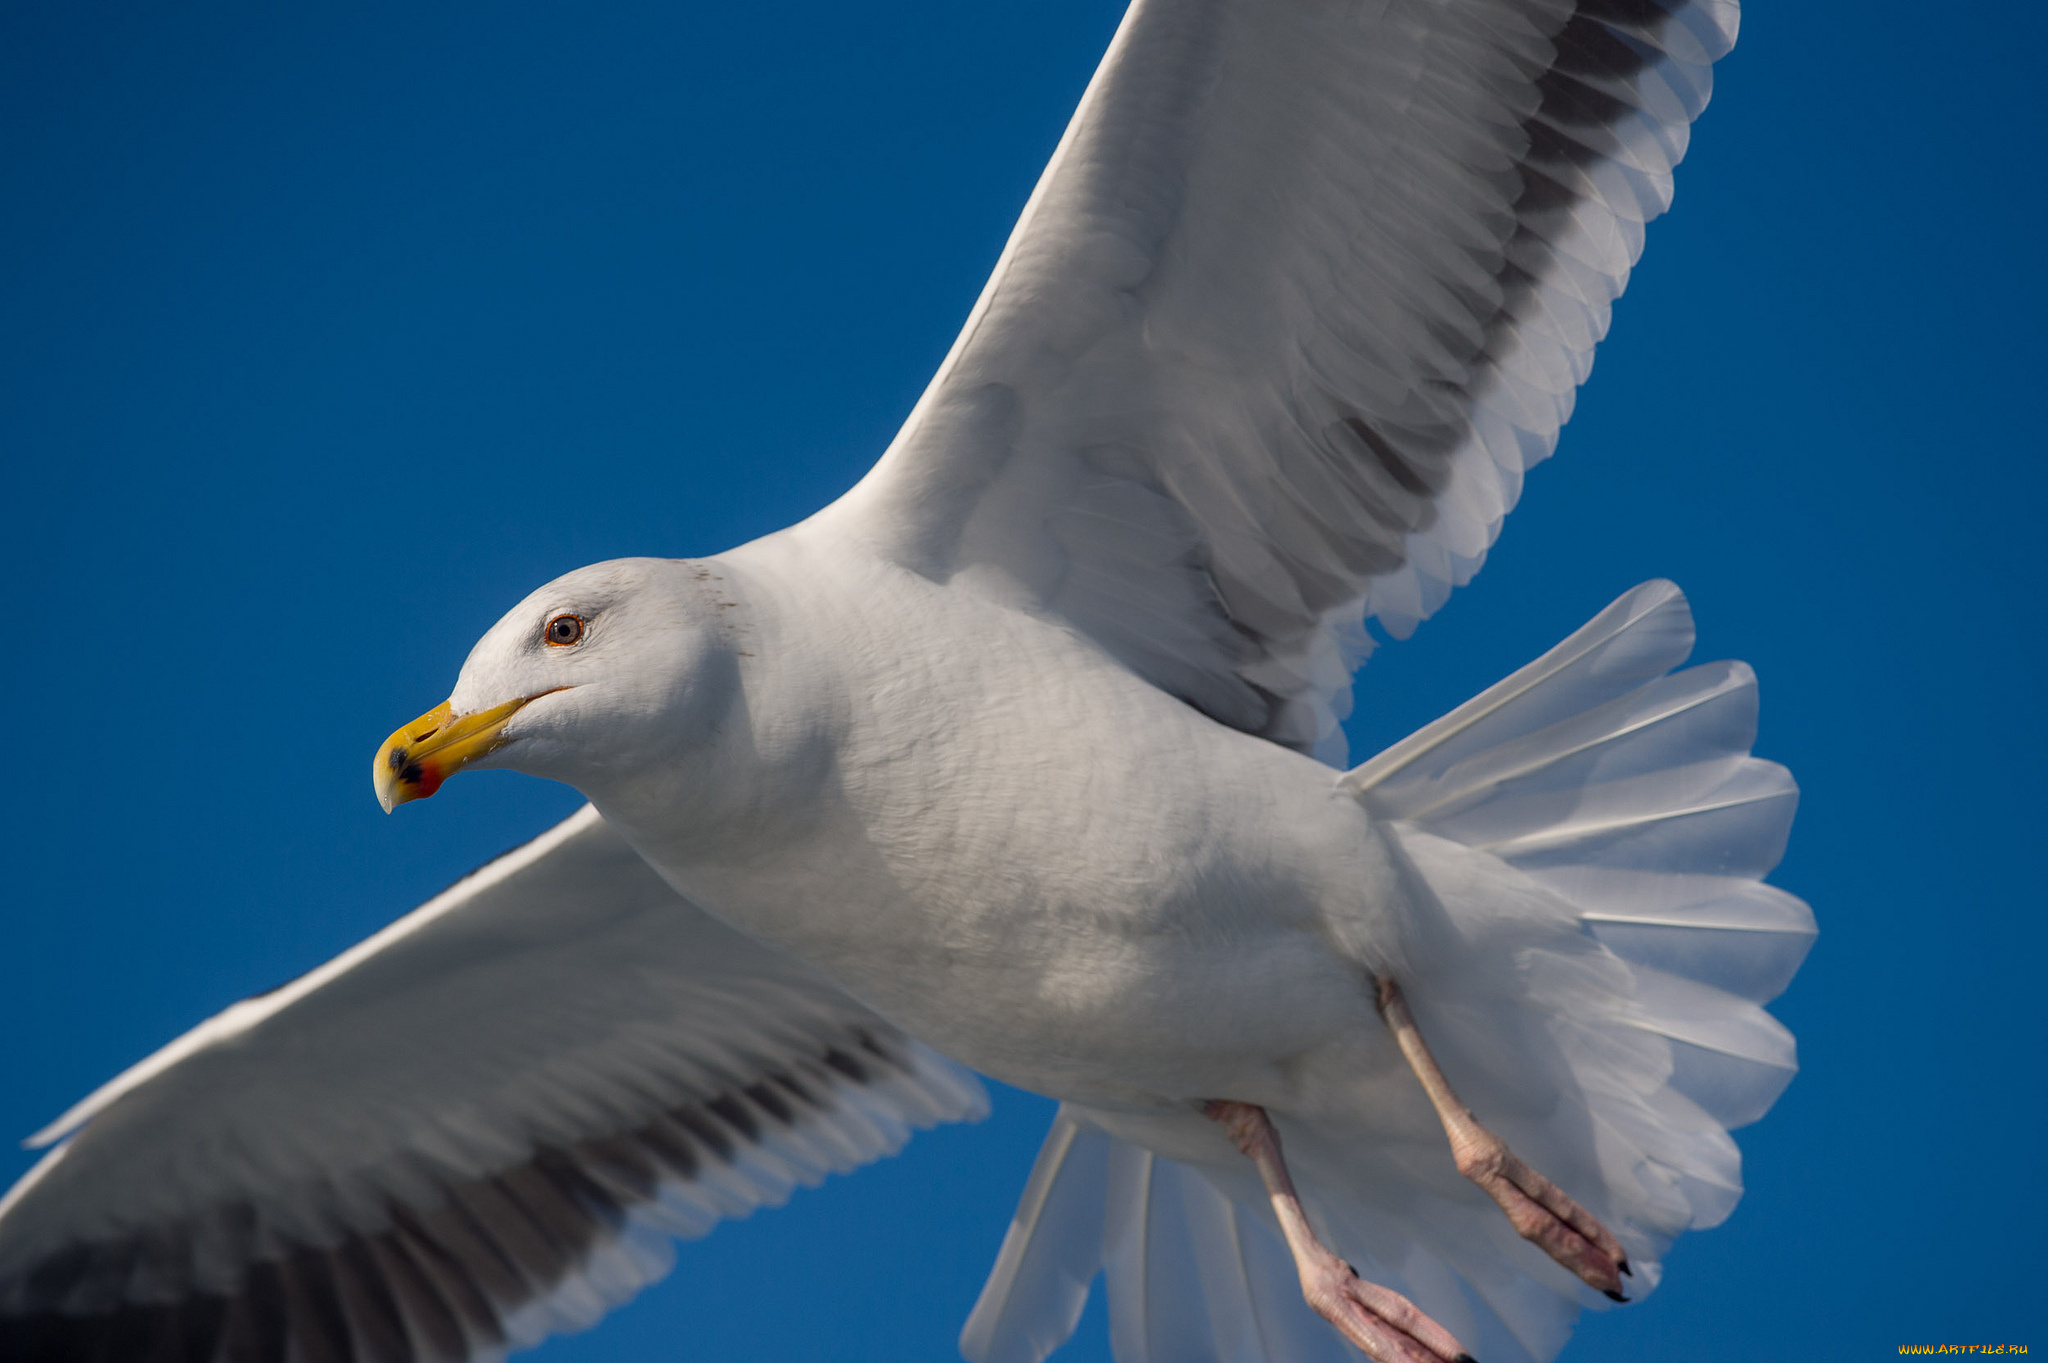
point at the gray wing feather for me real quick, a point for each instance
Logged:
(1306, 289)
(482, 1125)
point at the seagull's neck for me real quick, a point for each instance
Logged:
(850, 772)
(760, 781)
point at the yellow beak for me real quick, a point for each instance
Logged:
(416, 759)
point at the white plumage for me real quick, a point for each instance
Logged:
(1006, 757)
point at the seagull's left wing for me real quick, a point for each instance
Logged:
(1306, 288)
(479, 1126)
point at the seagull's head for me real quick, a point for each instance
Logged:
(599, 671)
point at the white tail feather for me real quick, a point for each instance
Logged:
(1052, 1252)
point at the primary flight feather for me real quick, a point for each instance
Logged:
(1009, 759)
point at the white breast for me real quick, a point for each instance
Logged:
(990, 832)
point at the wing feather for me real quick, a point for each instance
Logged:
(1306, 289)
(481, 1126)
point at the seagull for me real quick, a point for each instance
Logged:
(1023, 757)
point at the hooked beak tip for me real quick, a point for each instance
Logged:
(418, 756)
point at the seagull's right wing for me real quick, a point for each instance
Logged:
(479, 1126)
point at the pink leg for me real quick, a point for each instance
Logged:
(1382, 1322)
(1537, 1207)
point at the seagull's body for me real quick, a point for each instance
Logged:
(1024, 755)
(947, 827)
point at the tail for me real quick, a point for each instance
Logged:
(1622, 804)
(1632, 795)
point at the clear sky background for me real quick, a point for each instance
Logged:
(327, 332)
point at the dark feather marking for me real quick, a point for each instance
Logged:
(1554, 166)
(317, 1326)
(847, 1065)
(429, 1320)
(587, 1210)
(735, 1115)
(707, 1132)
(469, 1305)
(533, 1259)
(769, 1101)
(624, 1167)
(472, 1235)
(1398, 467)
(556, 1223)
(671, 1144)
(376, 1324)
(802, 1092)
(257, 1326)
(874, 1046)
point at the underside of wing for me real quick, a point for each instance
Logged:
(482, 1125)
(1306, 289)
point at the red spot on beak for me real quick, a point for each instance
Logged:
(427, 776)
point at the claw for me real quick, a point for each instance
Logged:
(1539, 1210)
(1380, 1321)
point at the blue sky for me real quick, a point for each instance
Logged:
(327, 335)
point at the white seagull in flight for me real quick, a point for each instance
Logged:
(1024, 755)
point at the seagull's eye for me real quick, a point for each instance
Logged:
(563, 631)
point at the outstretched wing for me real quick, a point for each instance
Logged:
(1307, 287)
(481, 1125)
